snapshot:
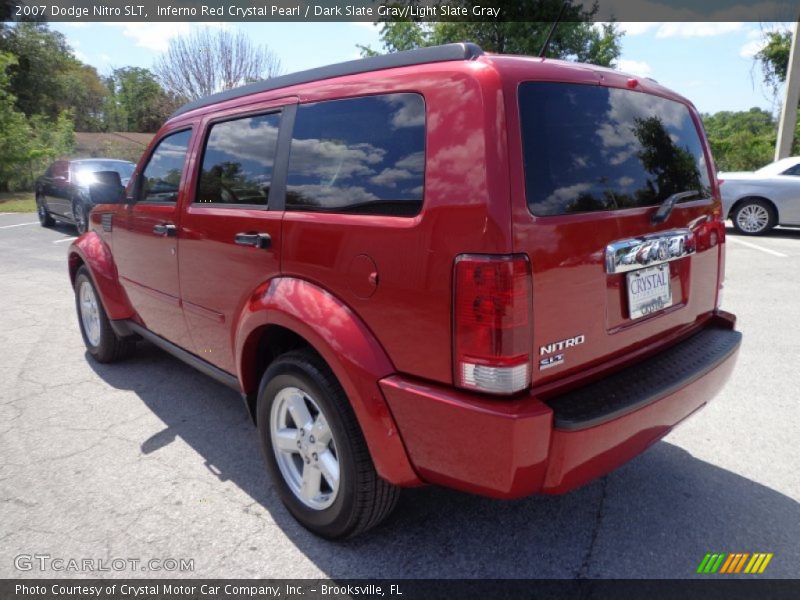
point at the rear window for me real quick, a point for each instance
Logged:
(589, 148)
(360, 155)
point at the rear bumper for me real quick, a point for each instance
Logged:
(514, 448)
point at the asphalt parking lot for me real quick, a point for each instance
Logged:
(149, 459)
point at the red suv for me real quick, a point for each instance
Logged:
(494, 273)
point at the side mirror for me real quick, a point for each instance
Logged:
(107, 188)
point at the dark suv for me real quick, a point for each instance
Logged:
(494, 273)
(62, 192)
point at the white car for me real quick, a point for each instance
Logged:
(757, 201)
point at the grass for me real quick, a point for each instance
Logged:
(17, 202)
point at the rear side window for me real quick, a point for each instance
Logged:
(360, 155)
(238, 161)
(795, 170)
(162, 175)
(589, 148)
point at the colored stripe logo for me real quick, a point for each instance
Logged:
(734, 562)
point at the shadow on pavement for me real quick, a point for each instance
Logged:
(65, 228)
(656, 517)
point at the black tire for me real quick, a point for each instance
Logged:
(80, 214)
(108, 347)
(363, 499)
(754, 216)
(45, 219)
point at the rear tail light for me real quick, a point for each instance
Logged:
(492, 323)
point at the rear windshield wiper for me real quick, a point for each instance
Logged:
(667, 205)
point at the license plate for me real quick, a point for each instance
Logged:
(649, 291)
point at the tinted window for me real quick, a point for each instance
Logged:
(592, 148)
(124, 169)
(361, 155)
(238, 160)
(795, 170)
(83, 171)
(60, 169)
(162, 175)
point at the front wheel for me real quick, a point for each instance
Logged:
(315, 450)
(101, 341)
(754, 217)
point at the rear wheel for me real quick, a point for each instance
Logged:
(754, 217)
(315, 450)
(81, 216)
(101, 341)
(45, 220)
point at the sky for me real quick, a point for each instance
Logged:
(710, 63)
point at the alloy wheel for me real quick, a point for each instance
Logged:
(90, 313)
(304, 448)
(752, 218)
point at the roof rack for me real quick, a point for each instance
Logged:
(418, 56)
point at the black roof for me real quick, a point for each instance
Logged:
(418, 56)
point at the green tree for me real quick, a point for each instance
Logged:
(741, 141)
(47, 79)
(49, 140)
(575, 38)
(115, 116)
(36, 78)
(14, 129)
(774, 61)
(137, 101)
(85, 97)
(27, 144)
(774, 57)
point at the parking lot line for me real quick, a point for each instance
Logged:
(756, 247)
(18, 225)
(69, 239)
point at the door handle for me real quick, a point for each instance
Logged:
(256, 240)
(165, 229)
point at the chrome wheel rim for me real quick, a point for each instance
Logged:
(304, 448)
(90, 313)
(752, 218)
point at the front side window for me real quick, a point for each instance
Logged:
(359, 155)
(162, 175)
(590, 147)
(238, 161)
